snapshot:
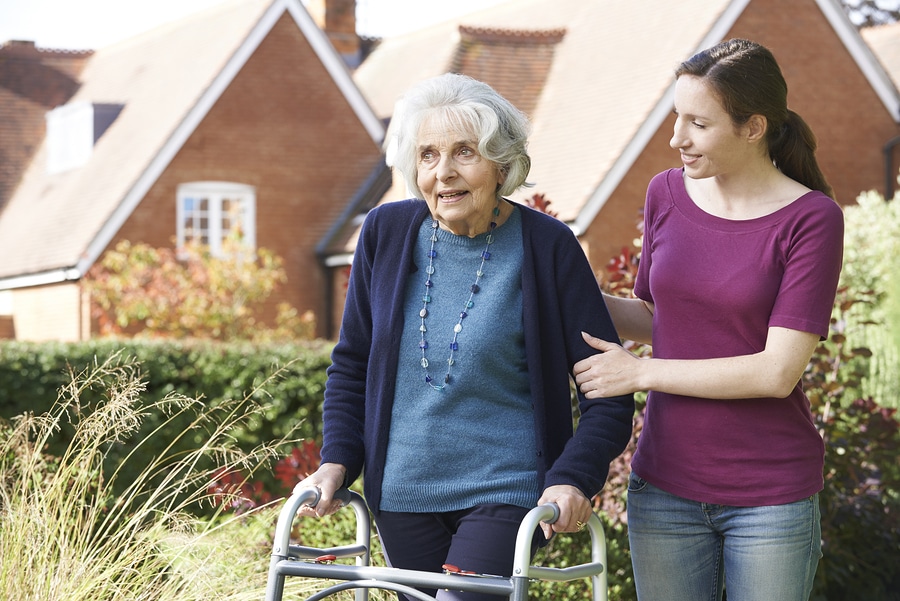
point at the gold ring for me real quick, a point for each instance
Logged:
(579, 524)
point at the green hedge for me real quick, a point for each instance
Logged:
(289, 379)
(860, 504)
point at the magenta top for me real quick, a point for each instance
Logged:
(718, 285)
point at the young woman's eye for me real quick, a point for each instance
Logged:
(698, 125)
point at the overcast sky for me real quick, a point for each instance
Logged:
(93, 24)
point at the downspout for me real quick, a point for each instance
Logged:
(889, 174)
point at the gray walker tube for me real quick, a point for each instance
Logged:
(296, 560)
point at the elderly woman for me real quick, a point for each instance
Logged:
(450, 384)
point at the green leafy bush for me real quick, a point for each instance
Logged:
(215, 373)
(71, 532)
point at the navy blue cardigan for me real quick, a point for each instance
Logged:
(561, 299)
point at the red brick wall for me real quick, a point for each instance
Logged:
(283, 127)
(7, 328)
(825, 86)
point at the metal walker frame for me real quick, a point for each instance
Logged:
(296, 560)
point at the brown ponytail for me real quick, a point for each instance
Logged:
(792, 148)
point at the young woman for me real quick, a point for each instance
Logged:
(740, 262)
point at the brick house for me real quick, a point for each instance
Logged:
(252, 97)
(247, 105)
(597, 77)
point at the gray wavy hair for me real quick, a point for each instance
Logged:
(464, 105)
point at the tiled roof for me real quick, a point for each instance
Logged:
(884, 40)
(589, 73)
(516, 62)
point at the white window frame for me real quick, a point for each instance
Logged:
(215, 194)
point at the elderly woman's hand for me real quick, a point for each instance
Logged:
(612, 372)
(574, 509)
(328, 478)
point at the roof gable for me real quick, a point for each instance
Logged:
(168, 80)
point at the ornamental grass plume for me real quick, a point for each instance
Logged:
(66, 536)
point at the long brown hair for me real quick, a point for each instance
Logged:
(749, 81)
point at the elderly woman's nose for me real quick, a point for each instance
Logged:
(446, 167)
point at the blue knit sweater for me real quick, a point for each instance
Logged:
(560, 299)
(463, 445)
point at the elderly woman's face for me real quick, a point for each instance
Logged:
(459, 185)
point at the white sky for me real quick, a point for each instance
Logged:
(93, 24)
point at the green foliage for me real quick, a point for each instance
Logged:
(860, 503)
(69, 532)
(288, 379)
(871, 275)
(190, 292)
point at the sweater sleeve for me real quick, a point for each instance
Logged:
(564, 301)
(344, 408)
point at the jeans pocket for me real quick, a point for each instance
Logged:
(636, 483)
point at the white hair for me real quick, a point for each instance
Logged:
(463, 105)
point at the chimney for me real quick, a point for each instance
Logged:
(337, 18)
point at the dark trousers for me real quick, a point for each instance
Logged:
(480, 540)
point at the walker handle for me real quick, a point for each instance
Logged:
(341, 494)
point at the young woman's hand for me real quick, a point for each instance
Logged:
(611, 372)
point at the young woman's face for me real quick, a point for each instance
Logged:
(709, 143)
(459, 185)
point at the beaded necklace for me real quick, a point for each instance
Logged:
(426, 298)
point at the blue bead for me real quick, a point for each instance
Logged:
(423, 344)
(429, 283)
(469, 304)
(463, 315)
(486, 255)
(432, 253)
(475, 288)
(454, 346)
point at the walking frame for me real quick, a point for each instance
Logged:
(309, 562)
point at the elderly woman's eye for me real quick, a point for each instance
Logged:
(467, 153)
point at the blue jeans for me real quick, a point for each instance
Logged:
(685, 550)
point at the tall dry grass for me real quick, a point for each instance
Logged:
(66, 536)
